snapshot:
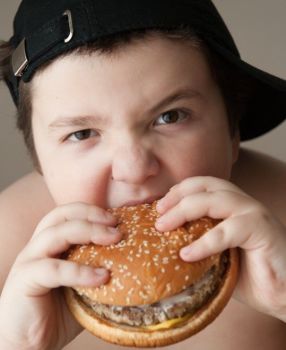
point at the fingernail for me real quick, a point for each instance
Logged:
(160, 206)
(185, 252)
(160, 221)
(101, 271)
(113, 230)
(109, 216)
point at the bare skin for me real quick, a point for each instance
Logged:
(237, 327)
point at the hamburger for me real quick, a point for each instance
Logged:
(153, 297)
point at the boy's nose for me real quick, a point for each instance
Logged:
(133, 164)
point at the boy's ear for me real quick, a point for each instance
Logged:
(235, 146)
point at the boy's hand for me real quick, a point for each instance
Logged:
(33, 314)
(247, 224)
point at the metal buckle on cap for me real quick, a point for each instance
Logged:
(69, 16)
(19, 59)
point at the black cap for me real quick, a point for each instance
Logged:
(43, 29)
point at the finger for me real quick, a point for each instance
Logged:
(217, 205)
(194, 185)
(55, 240)
(234, 232)
(39, 277)
(76, 211)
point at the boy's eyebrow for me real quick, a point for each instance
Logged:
(80, 121)
(175, 96)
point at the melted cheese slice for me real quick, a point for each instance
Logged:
(167, 324)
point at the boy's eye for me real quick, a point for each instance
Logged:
(171, 117)
(82, 135)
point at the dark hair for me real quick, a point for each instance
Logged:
(235, 87)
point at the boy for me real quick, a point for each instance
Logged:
(126, 105)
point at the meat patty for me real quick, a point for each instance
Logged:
(184, 303)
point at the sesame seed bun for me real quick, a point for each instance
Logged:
(146, 269)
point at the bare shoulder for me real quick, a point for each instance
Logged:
(22, 205)
(263, 177)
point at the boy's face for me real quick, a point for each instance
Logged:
(119, 129)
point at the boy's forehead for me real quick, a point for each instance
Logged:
(157, 62)
(141, 77)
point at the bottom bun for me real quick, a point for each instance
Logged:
(140, 337)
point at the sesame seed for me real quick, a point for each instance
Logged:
(165, 260)
(130, 291)
(121, 244)
(142, 295)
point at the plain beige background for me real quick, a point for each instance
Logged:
(259, 29)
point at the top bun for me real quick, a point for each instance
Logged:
(145, 265)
